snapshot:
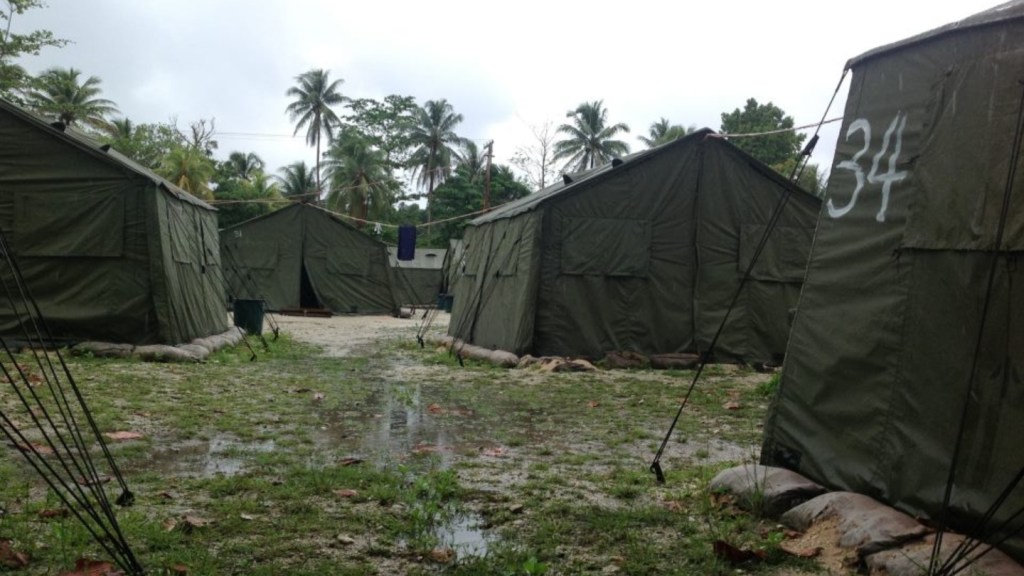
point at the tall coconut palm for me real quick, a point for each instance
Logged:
(436, 145)
(58, 94)
(663, 131)
(190, 169)
(243, 165)
(590, 141)
(314, 96)
(360, 179)
(297, 181)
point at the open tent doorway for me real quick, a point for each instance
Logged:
(307, 294)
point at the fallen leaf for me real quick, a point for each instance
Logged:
(673, 505)
(346, 493)
(169, 524)
(794, 549)
(426, 449)
(247, 517)
(11, 558)
(166, 495)
(190, 523)
(350, 461)
(34, 447)
(495, 452)
(123, 435)
(592, 404)
(442, 555)
(735, 555)
(732, 405)
(86, 567)
(179, 569)
(435, 409)
(53, 513)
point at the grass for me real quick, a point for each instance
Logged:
(553, 466)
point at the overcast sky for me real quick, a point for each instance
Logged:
(504, 65)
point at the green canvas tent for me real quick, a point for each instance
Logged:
(109, 250)
(879, 357)
(302, 256)
(642, 254)
(417, 282)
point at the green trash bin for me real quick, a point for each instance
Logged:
(249, 315)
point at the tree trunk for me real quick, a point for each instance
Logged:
(318, 188)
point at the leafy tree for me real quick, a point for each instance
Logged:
(146, 144)
(810, 178)
(387, 125)
(589, 140)
(59, 95)
(536, 160)
(13, 78)
(297, 181)
(311, 109)
(774, 149)
(190, 169)
(663, 131)
(461, 194)
(240, 199)
(435, 143)
(360, 177)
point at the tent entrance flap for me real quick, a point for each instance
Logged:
(307, 294)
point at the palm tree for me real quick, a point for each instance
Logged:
(360, 178)
(663, 131)
(434, 139)
(472, 162)
(243, 165)
(590, 142)
(120, 129)
(297, 181)
(59, 95)
(311, 109)
(190, 169)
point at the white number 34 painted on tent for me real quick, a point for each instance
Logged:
(887, 178)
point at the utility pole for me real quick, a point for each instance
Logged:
(487, 176)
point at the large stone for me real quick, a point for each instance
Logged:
(912, 559)
(624, 359)
(864, 524)
(773, 490)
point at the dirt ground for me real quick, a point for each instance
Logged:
(340, 336)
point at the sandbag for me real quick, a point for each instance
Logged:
(864, 523)
(774, 490)
(164, 353)
(677, 361)
(102, 349)
(198, 351)
(908, 560)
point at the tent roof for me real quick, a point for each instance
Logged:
(581, 180)
(299, 206)
(102, 152)
(1012, 10)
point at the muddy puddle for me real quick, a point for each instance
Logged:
(222, 454)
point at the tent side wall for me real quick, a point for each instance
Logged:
(618, 261)
(348, 269)
(882, 343)
(494, 302)
(187, 280)
(735, 202)
(78, 228)
(262, 258)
